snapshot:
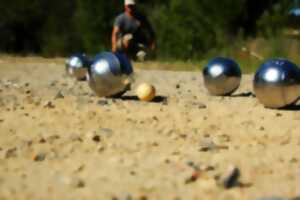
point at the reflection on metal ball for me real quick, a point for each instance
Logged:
(277, 83)
(110, 74)
(77, 66)
(222, 76)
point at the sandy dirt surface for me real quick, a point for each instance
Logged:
(59, 141)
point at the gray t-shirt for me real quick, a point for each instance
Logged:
(138, 26)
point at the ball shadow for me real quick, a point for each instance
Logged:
(243, 94)
(157, 99)
(295, 107)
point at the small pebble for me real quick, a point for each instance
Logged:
(48, 104)
(80, 168)
(294, 160)
(224, 138)
(207, 145)
(193, 178)
(59, 95)
(207, 168)
(230, 179)
(52, 138)
(73, 182)
(155, 118)
(192, 165)
(53, 83)
(102, 102)
(143, 197)
(96, 138)
(199, 105)
(64, 84)
(132, 173)
(17, 86)
(42, 140)
(39, 157)
(106, 132)
(11, 153)
(114, 198)
(79, 183)
(101, 149)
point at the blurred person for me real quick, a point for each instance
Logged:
(132, 33)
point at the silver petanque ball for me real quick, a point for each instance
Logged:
(77, 66)
(110, 74)
(277, 83)
(222, 76)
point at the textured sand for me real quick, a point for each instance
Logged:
(85, 147)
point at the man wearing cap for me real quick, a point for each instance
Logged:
(132, 33)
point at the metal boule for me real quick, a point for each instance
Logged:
(110, 74)
(222, 76)
(77, 66)
(277, 83)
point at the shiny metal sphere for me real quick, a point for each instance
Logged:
(77, 66)
(277, 83)
(222, 76)
(110, 74)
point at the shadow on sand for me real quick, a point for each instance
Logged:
(157, 99)
(243, 94)
(295, 107)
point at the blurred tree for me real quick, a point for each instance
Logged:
(19, 25)
(185, 28)
(275, 19)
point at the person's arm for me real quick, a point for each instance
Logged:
(114, 37)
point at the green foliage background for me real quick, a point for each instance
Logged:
(186, 29)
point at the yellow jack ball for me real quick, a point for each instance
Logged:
(146, 92)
